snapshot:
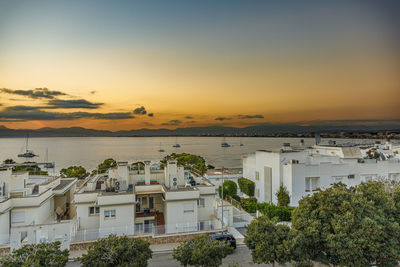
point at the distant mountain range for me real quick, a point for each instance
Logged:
(258, 130)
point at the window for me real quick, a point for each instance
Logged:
(109, 214)
(338, 179)
(351, 176)
(312, 184)
(188, 207)
(94, 210)
(18, 217)
(201, 202)
(257, 176)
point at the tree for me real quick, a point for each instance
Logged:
(9, 161)
(268, 241)
(117, 251)
(74, 171)
(344, 226)
(189, 161)
(247, 186)
(283, 196)
(45, 254)
(33, 169)
(105, 166)
(230, 189)
(201, 251)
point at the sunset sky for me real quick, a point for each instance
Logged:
(165, 64)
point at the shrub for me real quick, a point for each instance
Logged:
(230, 189)
(283, 196)
(202, 251)
(117, 251)
(249, 204)
(45, 254)
(247, 186)
(236, 197)
(272, 211)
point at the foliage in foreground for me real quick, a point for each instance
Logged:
(117, 251)
(45, 254)
(74, 171)
(355, 226)
(202, 251)
(268, 241)
(189, 161)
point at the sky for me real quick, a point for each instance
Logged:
(120, 65)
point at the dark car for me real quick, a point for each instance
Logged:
(226, 238)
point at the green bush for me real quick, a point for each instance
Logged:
(272, 211)
(45, 254)
(117, 251)
(230, 189)
(247, 186)
(283, 196)
(249, 204)
(201, 251)
(236, 197)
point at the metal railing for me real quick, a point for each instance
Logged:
(144, 229)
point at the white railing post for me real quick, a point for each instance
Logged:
(84, 235)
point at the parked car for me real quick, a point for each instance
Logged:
(226, 238)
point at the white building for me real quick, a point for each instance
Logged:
(131, 199)
(304, 170)
(35, 209)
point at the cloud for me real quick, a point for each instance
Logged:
(150, 114)
(189, 117)
(258, 116)
(172, 123)
(25, 113)
(76, 103)
(93, 92)
(222, 118)
(36, 93)
(191, 122)
(140, 111)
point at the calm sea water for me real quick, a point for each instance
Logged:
(90, 151)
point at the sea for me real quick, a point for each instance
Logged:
(90, 151)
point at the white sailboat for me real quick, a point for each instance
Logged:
(28, 153)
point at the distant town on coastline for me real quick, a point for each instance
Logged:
(391, 131)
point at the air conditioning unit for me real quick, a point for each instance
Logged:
(116, 186)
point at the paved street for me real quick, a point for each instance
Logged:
(241, 255)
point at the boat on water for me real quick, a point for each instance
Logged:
(241, 144)
(225, 144)
(161, 149)
(28, 153)
(176, 145)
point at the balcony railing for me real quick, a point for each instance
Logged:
(146, 229)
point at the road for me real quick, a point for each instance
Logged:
(241, 256)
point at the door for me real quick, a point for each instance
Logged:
(267, 184)
(151, 203)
